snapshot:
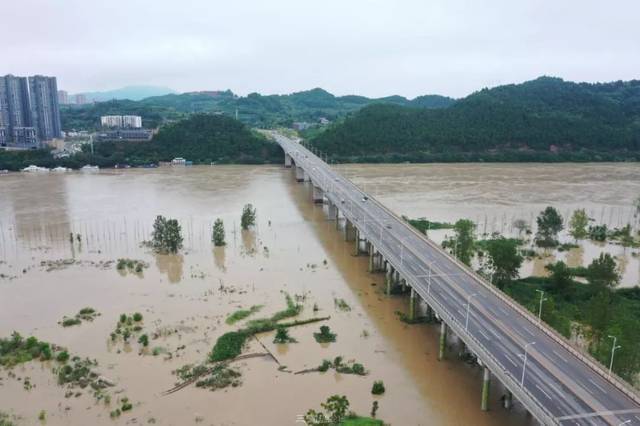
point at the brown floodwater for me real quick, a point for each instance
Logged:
(185, 298)
(495, 195)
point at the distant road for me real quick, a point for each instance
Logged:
(560, 385)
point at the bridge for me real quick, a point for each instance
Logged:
(557, 383)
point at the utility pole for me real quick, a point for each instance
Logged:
(542, 299)
(466, 322)
(524, 365)
(614, 348)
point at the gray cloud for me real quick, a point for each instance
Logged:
(370, 47)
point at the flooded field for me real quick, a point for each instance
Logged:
(494, 195)
(294, 249)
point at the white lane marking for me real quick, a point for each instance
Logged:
(545, 394)
(510, 360)
(599, 414)
(559, 356)
(494, 333)
(596, 385)
(529, 331)
(555, 388)
(460, 312)
(485, 336)
(503, 311)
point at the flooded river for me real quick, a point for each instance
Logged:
(294, 248)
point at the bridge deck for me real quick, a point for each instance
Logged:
(560, 385)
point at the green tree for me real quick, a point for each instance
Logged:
(578, 224)
(218, 233)
(602, 272)
(462, 243)
(166, 235)
(549, 224)
(504, 259)
(561, 277)
(248, 216)
(599, 313)
(337, 407)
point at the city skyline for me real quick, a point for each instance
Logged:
(370, 48)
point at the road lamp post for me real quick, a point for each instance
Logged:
(542, 299)
(524, 364)
(466, 322)
(614, 348)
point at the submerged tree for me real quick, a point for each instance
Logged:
(561, 277)
(462, 243)
(248, 216)
(578, 224)
(504, 259)
(549, 224)
(166, 235)
(218, 233)
(602, 272)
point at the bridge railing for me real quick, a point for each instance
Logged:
(505, 376)
(586, 358)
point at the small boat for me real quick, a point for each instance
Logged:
(90, 168)
(60, 169)
(4, 172)
(178, 161)
(35, 169)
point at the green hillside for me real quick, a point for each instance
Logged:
(545, 119)
(201, 138)
(254, 109)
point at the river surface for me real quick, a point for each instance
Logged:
(294, 248)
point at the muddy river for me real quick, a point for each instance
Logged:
(293, 248)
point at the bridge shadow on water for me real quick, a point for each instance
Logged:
(451, 388)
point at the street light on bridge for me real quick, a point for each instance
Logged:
(542, 299)
(614, 348)
(466, 322)
(524, 365)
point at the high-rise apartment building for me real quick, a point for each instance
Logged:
(81, 99)
(29, 112)
(63, 97)
(43, 92)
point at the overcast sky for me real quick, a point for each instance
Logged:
(373, 48)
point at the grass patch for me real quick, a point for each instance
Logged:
(229, 345)
(341, 305)
(340, 366)
(361, 421)
(220, 377)
(131, 265)
(84, 314)
(241, 314)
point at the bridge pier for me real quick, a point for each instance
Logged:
(299, 174)
(508, 400)
(388, 279)
(412, 305)
(318, 195)
(349, 230)
(371, 250)
(332, 213)
(443, 340)
(486, 382)
(287, 160)
(305, 176)
(337, 218)
(357, 241)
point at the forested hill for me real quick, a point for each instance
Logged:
(254, 109)
(546, 119)
(201, 138)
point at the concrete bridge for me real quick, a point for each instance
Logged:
(557, 383)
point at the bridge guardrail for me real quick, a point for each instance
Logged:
(506, 377)
(586, 358)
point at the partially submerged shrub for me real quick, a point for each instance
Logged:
(325, 335)
(378, 387)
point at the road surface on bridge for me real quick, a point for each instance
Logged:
(558, 385)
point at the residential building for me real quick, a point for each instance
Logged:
(121, 121)
(63, 97)
(43, 93)
(81, 99)
(16, 117)
(125, 135)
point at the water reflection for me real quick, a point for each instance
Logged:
(219, 258)
(248, 241)
(170, 264)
